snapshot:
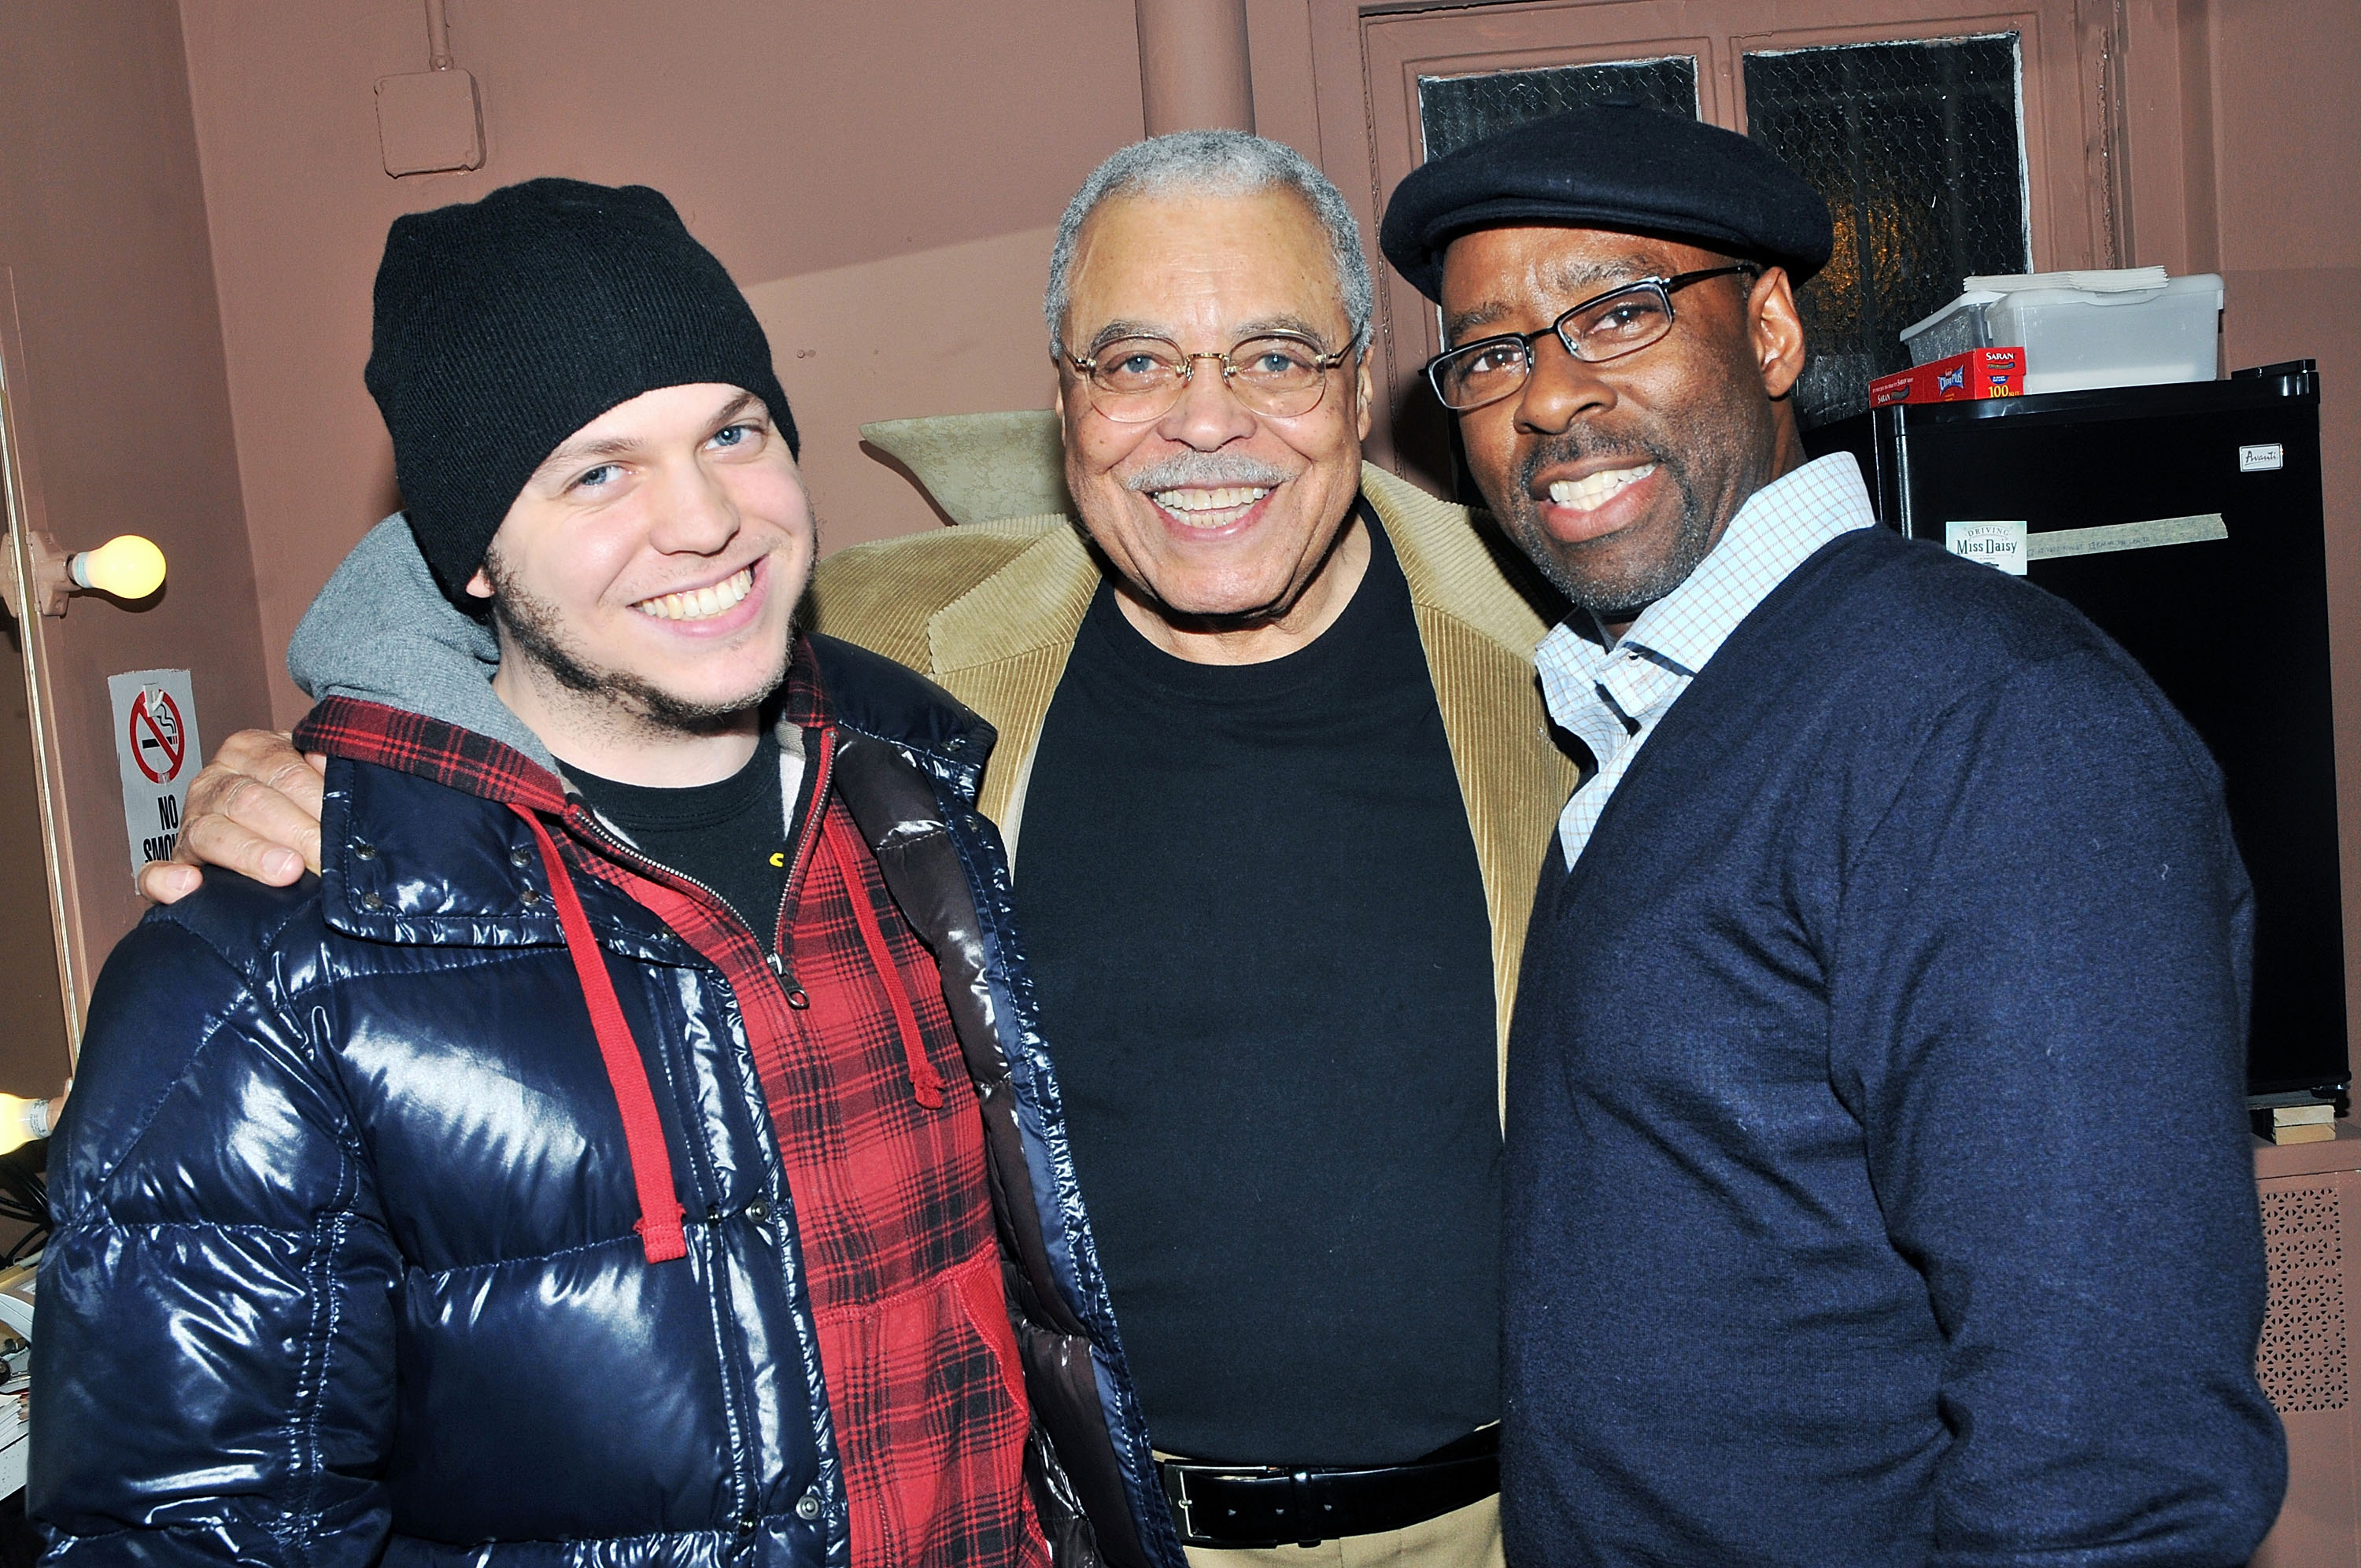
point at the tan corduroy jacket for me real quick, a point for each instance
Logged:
(990, 610)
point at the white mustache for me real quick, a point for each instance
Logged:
(1209, 469)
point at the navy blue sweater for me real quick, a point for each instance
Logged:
(1878, 1190)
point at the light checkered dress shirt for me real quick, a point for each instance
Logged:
(1613, 692)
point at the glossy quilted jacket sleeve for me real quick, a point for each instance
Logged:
(214, 1368)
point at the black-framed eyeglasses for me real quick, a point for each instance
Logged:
(1134, 380)
(1624, 320)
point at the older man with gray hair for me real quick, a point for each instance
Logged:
(1277, 782)
(1276, 773)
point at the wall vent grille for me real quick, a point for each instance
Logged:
(2302, 1358)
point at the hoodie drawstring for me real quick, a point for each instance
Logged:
(659, 1224)
(925, 1083)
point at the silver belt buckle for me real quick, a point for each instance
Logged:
(1176, 1492)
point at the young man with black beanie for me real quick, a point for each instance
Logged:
(591, 1162)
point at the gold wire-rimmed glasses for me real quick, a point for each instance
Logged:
(1624, 320)
(1134, 380)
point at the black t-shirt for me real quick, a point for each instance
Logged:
(1253, 908)
(732, 836)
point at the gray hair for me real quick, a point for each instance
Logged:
(1213, 163)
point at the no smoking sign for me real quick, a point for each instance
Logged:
(159, 741)
(156, 749)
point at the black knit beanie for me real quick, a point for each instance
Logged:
(505, 325)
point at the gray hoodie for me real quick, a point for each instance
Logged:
(381, 631)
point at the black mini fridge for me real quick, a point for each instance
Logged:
(2186, 521)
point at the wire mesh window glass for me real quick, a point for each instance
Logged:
(1456, 110)
(1917, 148)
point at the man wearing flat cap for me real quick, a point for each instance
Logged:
(1877, 1186)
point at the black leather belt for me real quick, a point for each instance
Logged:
(1246, 1506)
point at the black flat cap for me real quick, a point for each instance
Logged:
(1616, 164)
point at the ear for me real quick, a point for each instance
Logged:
(1365, 394)
(480, 585)
(1775, 331)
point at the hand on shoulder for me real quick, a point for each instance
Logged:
(255, 810)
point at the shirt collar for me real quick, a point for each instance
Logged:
(1778, 528)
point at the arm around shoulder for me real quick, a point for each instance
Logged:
(255, 809)
(213, 1371)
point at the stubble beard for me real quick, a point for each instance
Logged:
(1620, 596)
(532, 626)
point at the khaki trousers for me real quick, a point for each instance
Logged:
(1465, 1537)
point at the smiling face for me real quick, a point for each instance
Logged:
(646, 580)
(1216, 519)
(1617, 478)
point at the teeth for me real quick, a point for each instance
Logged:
(1590, 493)
(699, 603)
(1197, 500)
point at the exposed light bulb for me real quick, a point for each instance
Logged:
(127, 565)
(22, 1121)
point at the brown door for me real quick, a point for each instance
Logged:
(34, 1056)
(1892, 108)
(37, 1036)
(33, 1037)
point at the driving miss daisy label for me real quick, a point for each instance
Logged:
(1998, 544)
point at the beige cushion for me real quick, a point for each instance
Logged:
(979, 467)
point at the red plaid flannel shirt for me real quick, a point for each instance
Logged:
(878, 1129)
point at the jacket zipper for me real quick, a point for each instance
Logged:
(583, 818)
(822, 773)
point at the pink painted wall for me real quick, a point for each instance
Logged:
(193, 206)
(881, 178)
(113, 355)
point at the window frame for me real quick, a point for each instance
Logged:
(1367, 58)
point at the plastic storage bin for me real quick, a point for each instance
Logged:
(1958, 328)
(2075, 339)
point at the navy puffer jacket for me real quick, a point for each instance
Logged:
(292, 1165)
(341, 1268)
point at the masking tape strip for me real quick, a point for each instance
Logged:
(2126, 536)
